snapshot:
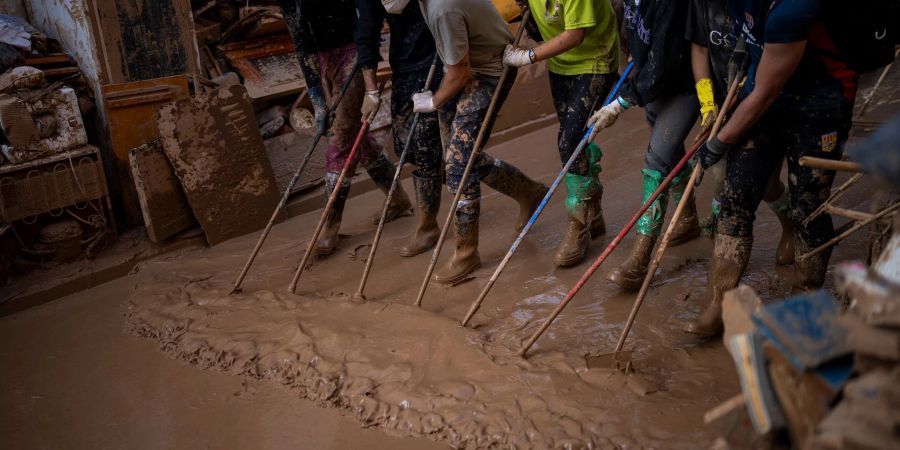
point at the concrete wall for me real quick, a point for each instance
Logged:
(13, 8)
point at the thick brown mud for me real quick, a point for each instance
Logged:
(385, 363)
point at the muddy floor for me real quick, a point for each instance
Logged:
(251, 370)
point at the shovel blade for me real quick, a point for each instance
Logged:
(613, 360)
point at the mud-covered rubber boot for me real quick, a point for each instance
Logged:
(580, 191)
(630, 275)
(688, 226)
(465, 258)
(709, 224)
(784, 253)
(730, 259)
(809, 273)
(381, 171)
(510, 181)
(428, 198)
(328, 238)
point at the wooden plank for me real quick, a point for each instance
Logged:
(286, 151)
(163, 204)
(214, 145)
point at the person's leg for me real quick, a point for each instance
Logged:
(819, 134)
(671, 120)
(425, 153)
(747, 172)
(575, 98)
(779, 201)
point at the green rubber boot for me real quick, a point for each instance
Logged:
(630, 275)
(598, 224)
(688, 226)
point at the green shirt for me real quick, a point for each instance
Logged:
(598, 53)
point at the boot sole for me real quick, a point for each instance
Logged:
(458, 278)
(569, 261)
(702, 332)
(626, 283)
(408, 253)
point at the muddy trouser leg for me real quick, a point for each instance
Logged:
(575, 97)
(425, 153)
(819, 134)
(671, 120)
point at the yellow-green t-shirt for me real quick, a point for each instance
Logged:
(598, 53)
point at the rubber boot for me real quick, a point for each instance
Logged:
(381, 171)
(465, 259)
(630, 275)
(809, 273)
(598, 224)
(428, 197)
(688, 226)
(328, 238)
(709, 224)
(784, 254)
(580, 190)
(730, 258)
(510, 181)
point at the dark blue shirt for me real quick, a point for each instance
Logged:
(823, 80)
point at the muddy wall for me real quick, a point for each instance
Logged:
(69, 22)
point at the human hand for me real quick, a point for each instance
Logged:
(517, 57)
(370, 105)
(607, 115)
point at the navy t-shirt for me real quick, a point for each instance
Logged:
(823, 80)
(710, 26)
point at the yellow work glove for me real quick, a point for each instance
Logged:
(708, 108)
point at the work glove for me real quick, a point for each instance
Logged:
(607, 115)
(517, 57)
(708, 108)
(712, 152)
(370, 105)
(423, 102)
(322, 116)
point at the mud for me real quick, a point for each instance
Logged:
(383, 363)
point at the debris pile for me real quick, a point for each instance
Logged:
(53, 194)
(827, 377)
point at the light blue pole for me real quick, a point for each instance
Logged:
(588, 137)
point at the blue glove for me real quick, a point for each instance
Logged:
(320, 109)
(712, 151)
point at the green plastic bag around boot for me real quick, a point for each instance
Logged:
(679, 183)
(578, 189)
(594, 153)
(650, 223)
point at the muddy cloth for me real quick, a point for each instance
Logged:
(575, 97)
(412, 47)
(823, 80)
(465, 112)
(318, 26)
(654, 32)
(426, 148)
(710, 26)
(336, 65)
(671, 120)
(748, 170)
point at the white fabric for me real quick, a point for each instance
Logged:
(423, 102)
(516, 57)
(607, 115)
(394, 6)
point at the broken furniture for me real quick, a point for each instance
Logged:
(163, 204)
(40, 122)
(215, 147)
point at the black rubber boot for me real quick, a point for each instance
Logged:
(510, 181)
(428, 197)
(328, 238)
(381, 171)
(810, 272)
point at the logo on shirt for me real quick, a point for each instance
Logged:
(748, 19)
(829, 141)
(634, 18)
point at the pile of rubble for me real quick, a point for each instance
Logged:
(814, 376)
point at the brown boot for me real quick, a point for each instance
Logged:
(381, 171)
(465, 259)
(809, 273)
(510, 181)
(582, 209)
(598, 224)
(574, 244)
(428, 197)
(784, 254)
(630, 275)
(730, 259)
(328, 238)
(688, 226)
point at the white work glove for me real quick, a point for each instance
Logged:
(517, 57)
(370, 105)
(607, 115)
(423, 102)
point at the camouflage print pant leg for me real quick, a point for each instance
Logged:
(425, 150)
(575, 98)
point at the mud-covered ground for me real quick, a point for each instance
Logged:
(248, 371)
